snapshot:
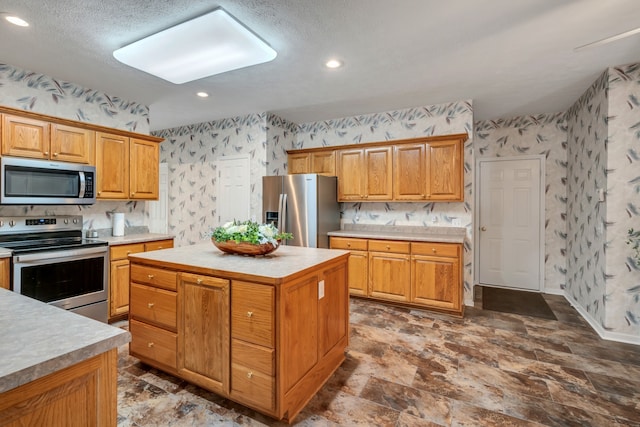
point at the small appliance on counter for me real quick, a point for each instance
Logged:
(305, 205)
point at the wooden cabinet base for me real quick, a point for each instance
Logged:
(81, 395)
(456, 313)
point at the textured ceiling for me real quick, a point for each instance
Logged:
(510, 57)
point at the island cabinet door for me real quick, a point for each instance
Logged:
(203, 331)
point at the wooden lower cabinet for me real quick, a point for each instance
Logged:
(5, 273)
(269, 346)
(81, 395)
(119, 273)
(422, 274)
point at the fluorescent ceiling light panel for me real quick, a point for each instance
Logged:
(210, 44)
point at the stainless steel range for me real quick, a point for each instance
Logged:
(53, 263)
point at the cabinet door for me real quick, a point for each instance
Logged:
(358, 273)
(350, 175)
(333, 308)
(71, 144)
(324, 163)
(143, 169)
(445, 171)
(5, 273)
(379, 173)
(119, 287)
(25, 137)
(203, 331)
(389, 276)
(298, 163)
(410, 172)
(112, 166)
(436, 282)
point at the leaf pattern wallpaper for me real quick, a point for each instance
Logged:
(543, 134)
(42, 94)
(595, 144)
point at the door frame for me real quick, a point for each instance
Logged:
(476, 216)
(218, 162)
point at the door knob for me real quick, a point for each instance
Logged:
(483, 228)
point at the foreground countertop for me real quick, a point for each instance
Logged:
(205, 258)
(413, 233)
(37, 339)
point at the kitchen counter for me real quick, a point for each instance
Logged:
(38, 339)
(5, 253)
(284, 263)
(413, 233)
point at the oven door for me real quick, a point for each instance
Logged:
(69, 279)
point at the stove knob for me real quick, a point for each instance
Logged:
(75, 220)
(1, 223)
(12, 223)
(66, 221)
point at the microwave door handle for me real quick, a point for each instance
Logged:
(82, 184)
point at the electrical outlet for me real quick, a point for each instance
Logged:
(457, 222)
(321, 289)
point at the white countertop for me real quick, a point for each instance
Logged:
(37, 339)
(413, 233)
(206, 258)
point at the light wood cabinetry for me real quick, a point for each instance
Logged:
(144, 163)
(429, 168)
(203, 331)
(266, 343)
(421, 274)
(38, 139)
(119, 274)
(84, 394)
(5, 273)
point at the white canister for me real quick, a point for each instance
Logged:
(117, 224)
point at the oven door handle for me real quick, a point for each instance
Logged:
(46, 255)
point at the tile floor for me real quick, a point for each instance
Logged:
(415, 368)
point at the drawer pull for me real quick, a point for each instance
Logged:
(199, 281)
(249, 374)
(150, 345)
(388, 247)
(151, 304)
(348, 245)
(249, 313)
(150, 276)
(55, 154)
(434, 250)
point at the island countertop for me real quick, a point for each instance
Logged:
(37, 339)
(283, 264)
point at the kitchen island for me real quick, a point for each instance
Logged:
(58, 368)
(266, 332)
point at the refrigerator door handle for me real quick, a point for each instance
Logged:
(279, 223)
(284, 215)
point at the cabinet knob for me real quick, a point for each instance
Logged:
(55, 154)
(483, 228)
(388, 247)
(150, 276)
(99, 193)
(249, 374)
(132, 194)
(160, 247)
(434, 250)
(199, 281)
(150, 345)
(46, 153)
(151, 304)
(249, 313)
(348, 245)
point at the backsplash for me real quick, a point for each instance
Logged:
(42, 94)
(544, 134)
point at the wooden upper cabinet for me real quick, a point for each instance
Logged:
(379, 173)
(298, 163)
(144, 164)
(25, 137)
(71, 144)
(410, 172)
(445, 170)
(350, 175)
(112, 166)
(324, 162)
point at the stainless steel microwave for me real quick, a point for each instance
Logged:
(44, 182)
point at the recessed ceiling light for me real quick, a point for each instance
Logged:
(202, 94)
(609, 39)
(333, 63)
(210, 44)
(15, 20)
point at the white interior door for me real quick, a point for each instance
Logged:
(234, 190)
(510, 223)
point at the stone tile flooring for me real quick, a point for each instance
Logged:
(416, 368)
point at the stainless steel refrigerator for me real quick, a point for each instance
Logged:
(305, 205)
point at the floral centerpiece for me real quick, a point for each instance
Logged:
(248, 238)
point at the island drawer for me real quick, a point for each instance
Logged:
(259, 358)
(252, 387)
(436, 249)
(153, 343)
(252, 317)
(158, 244)
(153, 305)
(389, 246)
(122, 251)
(348, 243)
(154, 276)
